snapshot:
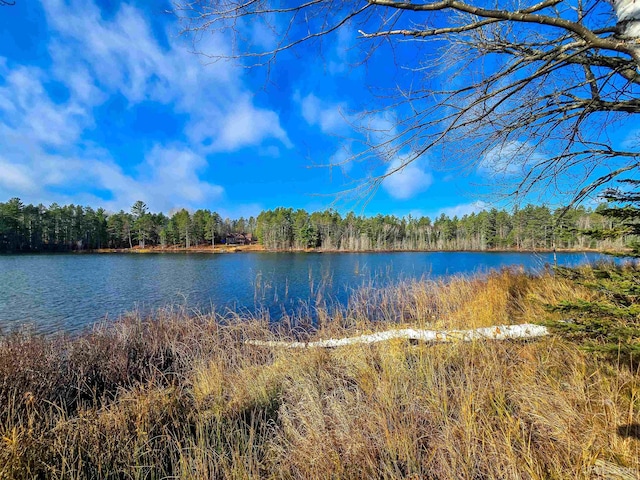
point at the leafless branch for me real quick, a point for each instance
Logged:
(540, 85)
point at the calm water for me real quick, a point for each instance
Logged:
(70, 292)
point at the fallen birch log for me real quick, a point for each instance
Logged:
(499, 332)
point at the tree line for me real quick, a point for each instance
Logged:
(528, 228)
(31, 228)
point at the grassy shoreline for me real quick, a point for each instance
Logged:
(261, 248)
(183, 396)
(258, 248)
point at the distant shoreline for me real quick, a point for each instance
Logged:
(261, 249)
(256, 248)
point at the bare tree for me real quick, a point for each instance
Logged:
(534, 92)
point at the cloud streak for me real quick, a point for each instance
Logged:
(123, 56)
(47, 151)
(509, 159)
(330, 117)
(463, 209)
(406, 183)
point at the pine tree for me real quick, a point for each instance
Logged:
(609, 323)
(625, 216)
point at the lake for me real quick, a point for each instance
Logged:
(71, 292)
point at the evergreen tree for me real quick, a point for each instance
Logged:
(624, 216)
(182, 224)
(141, 222)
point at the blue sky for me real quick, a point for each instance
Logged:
(105, 104)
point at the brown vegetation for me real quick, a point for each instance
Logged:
(179, 249)
(183, 396)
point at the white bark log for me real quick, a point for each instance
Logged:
(499, 332)
(607, 470)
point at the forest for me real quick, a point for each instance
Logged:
(36, 228)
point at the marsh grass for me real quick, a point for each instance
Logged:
(180, 395)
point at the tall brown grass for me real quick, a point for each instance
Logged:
(182, 396)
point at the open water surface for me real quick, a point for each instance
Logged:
(71, 292)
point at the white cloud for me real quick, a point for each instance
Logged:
(330, 117)
(407, 182)
(122, 55)
(343, 159)
(262, 32)
(173, 179)
(379, 128)
(27, 111)
(373, 129)
(40, 153)
(15, 179)
(463, 209)
(310, 106)
(508, 159)
(248, 125)
(167, 178)
(45, 156)
(343, 46)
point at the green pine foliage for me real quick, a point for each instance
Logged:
(624, 215)
(29, 228)
(36, 228)
(528, 228)
(610, 322)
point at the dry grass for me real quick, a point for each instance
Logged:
(183, 397)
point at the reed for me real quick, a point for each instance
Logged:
(181, 395)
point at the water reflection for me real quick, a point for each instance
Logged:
(70, 292)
